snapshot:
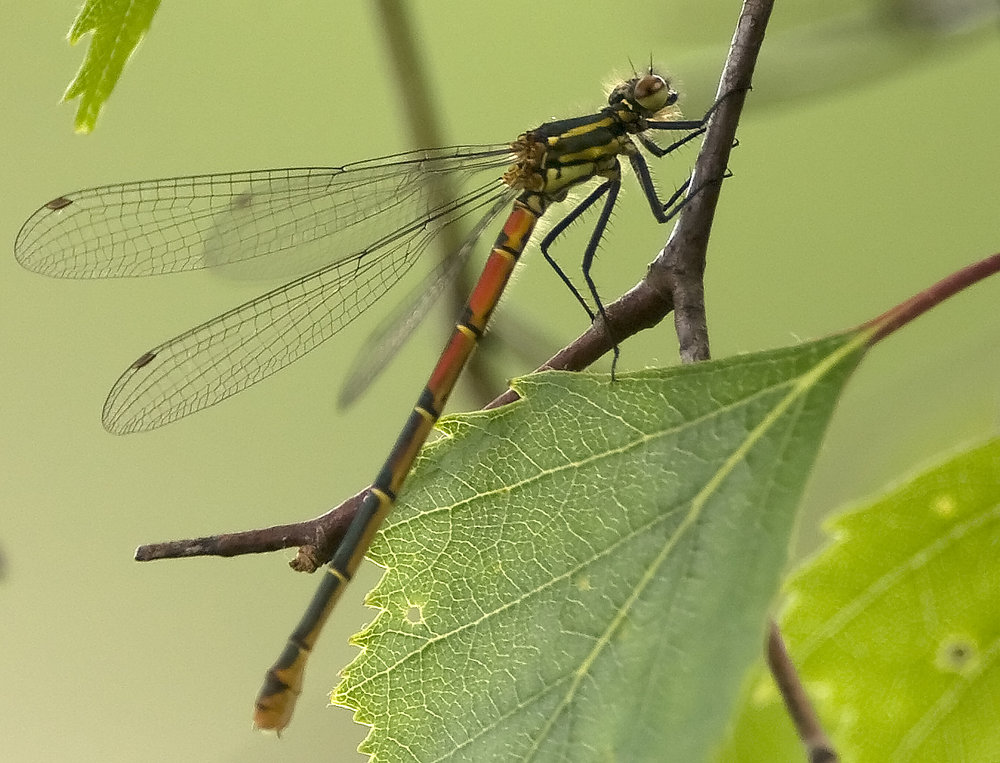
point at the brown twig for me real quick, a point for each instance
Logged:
(310, 534)
(417, 98)
(317, 539)
(818, 746)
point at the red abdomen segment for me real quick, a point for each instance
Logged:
(276, 700)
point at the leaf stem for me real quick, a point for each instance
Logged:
(920, 303)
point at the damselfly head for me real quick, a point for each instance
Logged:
(648, 93)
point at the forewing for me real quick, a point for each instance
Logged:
(311, 216)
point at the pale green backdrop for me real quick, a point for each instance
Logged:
(843, 203)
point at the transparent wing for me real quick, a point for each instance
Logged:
(364, 225)
(387, 339)
(311, 216)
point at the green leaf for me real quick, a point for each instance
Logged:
(118, 26)
(586, 574)
(894, 627)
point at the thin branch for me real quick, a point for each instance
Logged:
(818, 746)
(317, 539)
(421, 114)
(310, 534)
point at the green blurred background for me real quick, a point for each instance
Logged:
(868, 168)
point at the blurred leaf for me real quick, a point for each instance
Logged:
(816, 47)
(894, 627)
(117, 26)
(586, 574)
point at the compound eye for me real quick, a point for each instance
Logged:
(653, 93)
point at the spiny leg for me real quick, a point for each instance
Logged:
(613, 185)
(559, 228)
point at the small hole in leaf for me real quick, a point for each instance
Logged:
(414, 614)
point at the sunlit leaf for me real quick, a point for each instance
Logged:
(586, 574)
(894, 627)
(117, 26)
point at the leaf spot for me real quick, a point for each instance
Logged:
(957, 654)
(944, 505)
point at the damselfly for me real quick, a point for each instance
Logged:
(355, 230)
